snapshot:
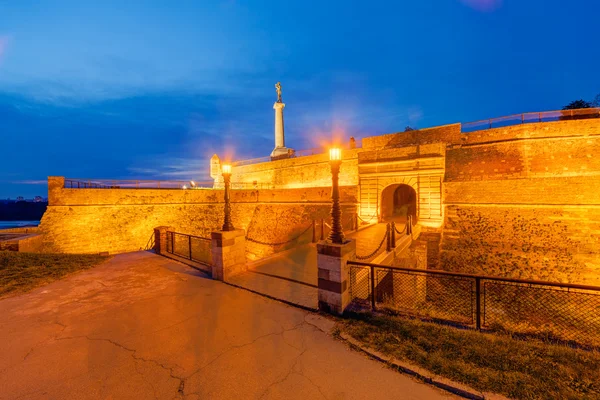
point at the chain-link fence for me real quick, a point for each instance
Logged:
(194, 248)
(556, 311)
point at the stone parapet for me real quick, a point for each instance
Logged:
(228, 253)
(333, 270)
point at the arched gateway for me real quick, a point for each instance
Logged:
(398, 201)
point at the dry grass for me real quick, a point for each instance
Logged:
(20, 272)
(489, 362)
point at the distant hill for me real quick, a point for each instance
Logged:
(22, 211)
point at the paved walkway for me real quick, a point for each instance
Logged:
(142, 326)
(292, 275)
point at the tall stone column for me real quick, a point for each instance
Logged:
(280, 151)
(279, 133)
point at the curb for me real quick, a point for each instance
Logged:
(422, 374)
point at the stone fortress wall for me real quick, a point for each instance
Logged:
(519, 201)
(523, 201)
(122, 220)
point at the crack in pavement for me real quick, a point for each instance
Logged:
(134, 356)
(236, 347)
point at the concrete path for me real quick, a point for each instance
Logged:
(142, 327)
(291, 276)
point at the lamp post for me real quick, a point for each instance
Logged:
(335, 160)
(227, 225)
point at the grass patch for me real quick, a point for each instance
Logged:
(20, 272)
(489, 362)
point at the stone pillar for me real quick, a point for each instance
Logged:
(56, 184)
(279, 133)
(280, 148)
(334, 276)
(160, 239)
(228, 254)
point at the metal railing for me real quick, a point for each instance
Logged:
(73, 183)
(293, 154)
(524, 118)
(554, 311)
(194, 248)
(156, 184)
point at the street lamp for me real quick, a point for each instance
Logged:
(337, 234)
(227, 225)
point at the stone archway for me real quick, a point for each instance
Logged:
(397, 201)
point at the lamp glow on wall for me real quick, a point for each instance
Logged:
(335, 160)
(227, 225)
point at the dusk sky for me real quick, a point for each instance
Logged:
(151, 89)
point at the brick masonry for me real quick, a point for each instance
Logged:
(518, 201)
(523, 202)
(122, 220)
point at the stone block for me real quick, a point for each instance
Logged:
(228, 253)
(333, 274)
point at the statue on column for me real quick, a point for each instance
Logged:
(278, 89)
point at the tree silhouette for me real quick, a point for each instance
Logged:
(578, 104)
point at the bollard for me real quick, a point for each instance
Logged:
(389, 238)
(393, 231)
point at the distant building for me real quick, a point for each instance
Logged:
(20, 198)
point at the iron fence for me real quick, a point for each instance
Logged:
(153, 184)
(555, 311)
(524, 118)
(194, 248)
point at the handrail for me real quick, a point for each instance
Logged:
(476, 276)
(531, 117)
(185, 234)
(71, 183)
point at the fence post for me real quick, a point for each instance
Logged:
(478, 303)
(490, 121)
(540, 117)
(522, 118)
(322, 230)
(389, 238)
(393, 231)
(372, 287)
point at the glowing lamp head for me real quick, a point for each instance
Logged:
(192, 184)
(335, 154)
(184, 187)
(226, 169)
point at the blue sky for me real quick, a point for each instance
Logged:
(151, 89)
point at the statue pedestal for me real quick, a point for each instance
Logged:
(280, 153)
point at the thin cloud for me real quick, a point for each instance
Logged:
(31, 182)
(483, 5)
(3, 45)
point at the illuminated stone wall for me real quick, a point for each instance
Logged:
(523, 201)
(122, 220)
(298, 172)
(520, 201)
